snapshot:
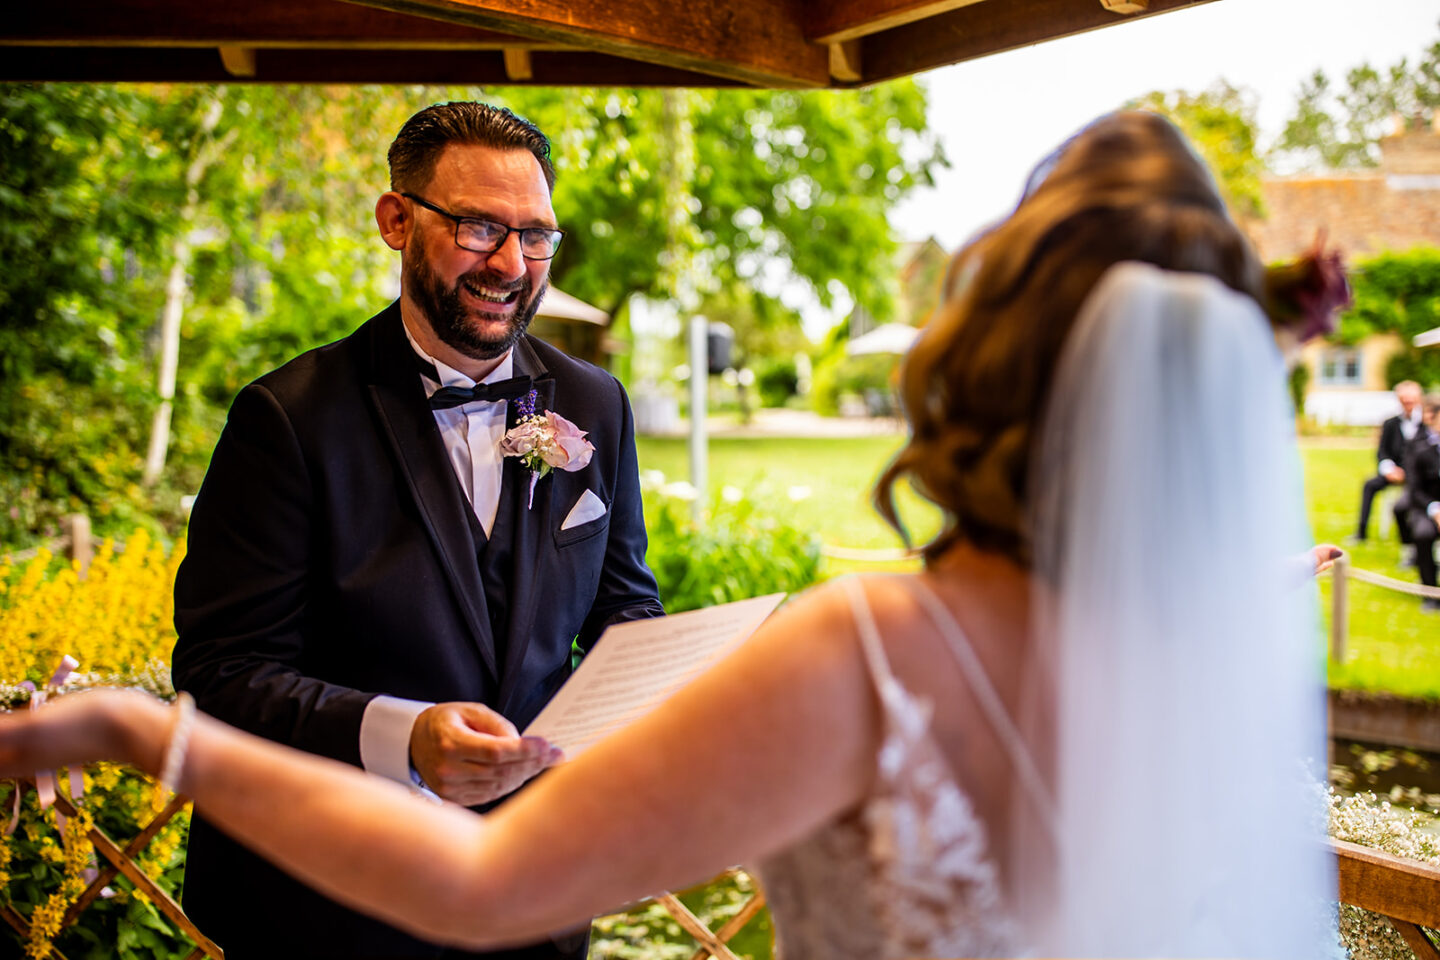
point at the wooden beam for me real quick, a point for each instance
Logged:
(1415, 939)
(990, 27)
(753, 41)
(833, 22)
(1406, 890)
(238, 61)
(845, 65)
(1126, 6)
(517, 64)
(253, 23)
(443, 67)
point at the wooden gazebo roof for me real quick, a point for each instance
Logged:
(767, 43)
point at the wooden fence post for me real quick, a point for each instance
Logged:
(81, 548)
(1339, 607)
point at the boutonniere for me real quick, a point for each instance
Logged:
(544, 442)
(1305, 297)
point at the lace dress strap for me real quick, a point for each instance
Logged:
(875, 659)
(989, 700)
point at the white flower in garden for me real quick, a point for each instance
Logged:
(732, 494)
(651, 479)
(798, 492)
(680, 490)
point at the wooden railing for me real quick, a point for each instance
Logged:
(1404, 892)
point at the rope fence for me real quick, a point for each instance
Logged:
(1341, 574)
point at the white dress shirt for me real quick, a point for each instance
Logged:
(471, 434)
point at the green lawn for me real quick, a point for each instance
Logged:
(1392, 645)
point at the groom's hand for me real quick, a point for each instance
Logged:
(469, 754)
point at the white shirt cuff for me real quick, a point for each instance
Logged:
(1433, 510)
(1385, 467)
(385, 736)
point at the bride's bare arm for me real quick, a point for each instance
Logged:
(773, 742)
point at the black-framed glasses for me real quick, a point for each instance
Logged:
(487, 236)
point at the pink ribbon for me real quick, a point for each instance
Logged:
(45, 779)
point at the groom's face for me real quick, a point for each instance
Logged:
(478, 303)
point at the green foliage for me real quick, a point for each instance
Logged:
(1334, 128)
(734, 554)
(73, 311)
(1398, 293)
(93, 192)
(870, 378)
(126, 925)
(776, 379)
(650, 933)
(1299, 383)
(283, 254)
(1220, 122)
(774, 170)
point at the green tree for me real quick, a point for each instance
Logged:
(1334, 128)
(1220, 122)
(798, 183)
(268, 247)
(83, 198)
(1398, 293)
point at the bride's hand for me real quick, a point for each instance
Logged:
(122, 725)
(1325, 555)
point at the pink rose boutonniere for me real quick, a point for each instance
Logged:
(544, 442)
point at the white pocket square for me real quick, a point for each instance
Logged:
(588, 507)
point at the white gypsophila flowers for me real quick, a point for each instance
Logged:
(1369, 821)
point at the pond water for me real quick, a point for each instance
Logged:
(1407, 778)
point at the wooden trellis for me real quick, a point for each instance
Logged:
(121, 861)
(712, 943)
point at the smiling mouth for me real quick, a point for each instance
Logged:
(490, 294)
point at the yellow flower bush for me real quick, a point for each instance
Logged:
(117, 622)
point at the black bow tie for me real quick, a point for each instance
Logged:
(512, 389)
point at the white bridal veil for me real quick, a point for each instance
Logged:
(1178, 643)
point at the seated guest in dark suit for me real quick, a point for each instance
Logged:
(1395, 433)
(1418, 511)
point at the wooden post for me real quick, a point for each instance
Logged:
(699, 388)
(81, 549)
(1339, 606)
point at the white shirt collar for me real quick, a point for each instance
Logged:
(450, 377)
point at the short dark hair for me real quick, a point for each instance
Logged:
(425, 136)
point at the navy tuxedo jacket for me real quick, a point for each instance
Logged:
(331, 559)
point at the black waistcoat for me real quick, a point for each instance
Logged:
(495, 554)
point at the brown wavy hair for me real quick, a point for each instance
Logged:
(976, 383)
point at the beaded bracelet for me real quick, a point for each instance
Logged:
(179, 742)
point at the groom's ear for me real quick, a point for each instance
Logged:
(392, 216)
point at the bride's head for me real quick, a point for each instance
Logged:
(975, 385)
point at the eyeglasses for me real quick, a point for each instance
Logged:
(487, 236)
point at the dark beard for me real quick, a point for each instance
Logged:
(449, 317)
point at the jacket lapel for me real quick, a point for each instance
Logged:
(409, 426)
(531, 524)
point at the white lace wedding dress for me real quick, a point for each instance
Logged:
(909, 873)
